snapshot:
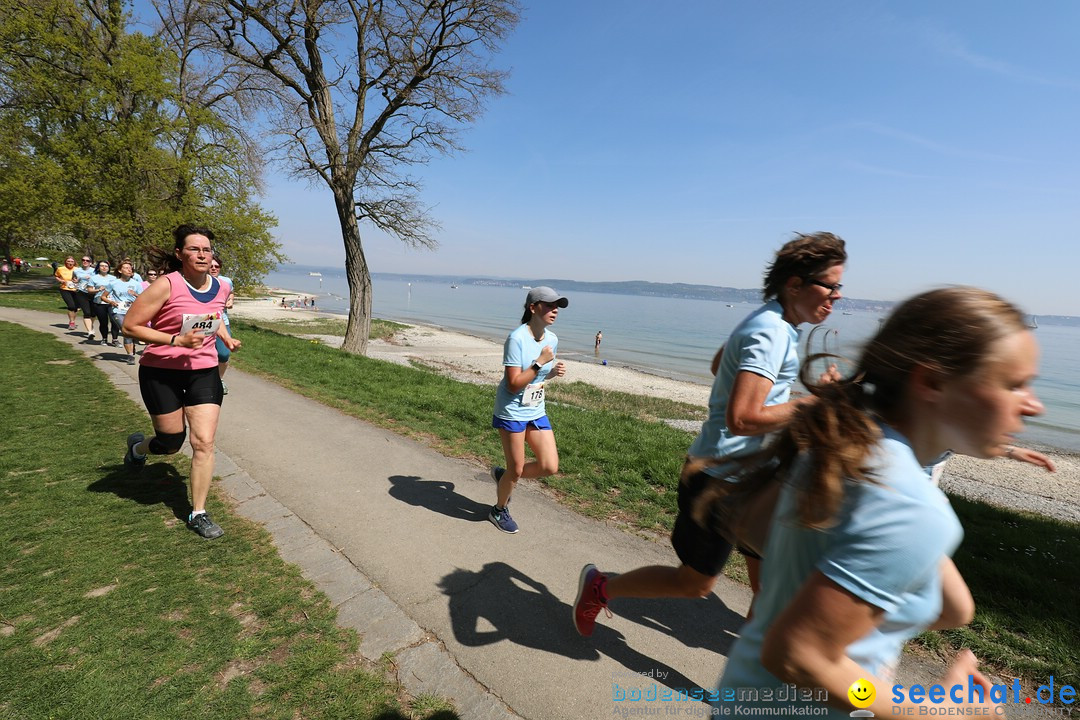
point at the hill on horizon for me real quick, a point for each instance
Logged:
(715, 293)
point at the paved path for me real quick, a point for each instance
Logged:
(396, 535)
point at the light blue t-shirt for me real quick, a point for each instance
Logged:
(766, 345)
(886, 548)
(100, 281)
(124, 292)
(521, 350)
(82, 277)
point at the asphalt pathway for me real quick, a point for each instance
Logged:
(397, 536)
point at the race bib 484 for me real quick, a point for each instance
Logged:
(204, 325)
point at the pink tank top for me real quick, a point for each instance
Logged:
(170, 318)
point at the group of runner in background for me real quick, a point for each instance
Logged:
(101, 296)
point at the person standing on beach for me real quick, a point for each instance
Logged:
(178, 376)
(858, 561)
(520, 412)
(750, 398)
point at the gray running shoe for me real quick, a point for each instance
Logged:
(204, 526)
(131, 359)
(117, 342)
(129, 458)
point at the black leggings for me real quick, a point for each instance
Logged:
(85, 303)
(105, 319)
(69, 300)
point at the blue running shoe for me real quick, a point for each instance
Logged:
(502, 520)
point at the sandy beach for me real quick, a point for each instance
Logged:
(999, 482)
(472, 359)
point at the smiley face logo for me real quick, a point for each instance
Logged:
(861, 693)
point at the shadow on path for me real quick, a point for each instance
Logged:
(525, 612)
(438, 496)
(157, 483)
(705, 622)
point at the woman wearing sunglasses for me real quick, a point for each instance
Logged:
(83, 297)
(151, 276)
(750, 398)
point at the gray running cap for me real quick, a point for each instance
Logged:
(545, 294)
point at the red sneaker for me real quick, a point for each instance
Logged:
(589, 600)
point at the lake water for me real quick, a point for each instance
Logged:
(667, 336)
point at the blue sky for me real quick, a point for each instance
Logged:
(686, 141)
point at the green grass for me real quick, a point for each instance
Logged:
(380, 329)
(652, 409)
(110, 607)
(1022, 570)
(47, 300)
(617, 462)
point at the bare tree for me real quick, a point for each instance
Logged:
(365, 89)
(216, 101)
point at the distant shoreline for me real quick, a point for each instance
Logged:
(1046, 435)
(640, 288)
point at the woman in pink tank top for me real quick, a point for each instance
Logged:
(178, 375)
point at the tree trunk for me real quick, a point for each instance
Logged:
(356, 270)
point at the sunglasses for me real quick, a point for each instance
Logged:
(87, 260)
(833, 288)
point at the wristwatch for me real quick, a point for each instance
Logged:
(536, 367)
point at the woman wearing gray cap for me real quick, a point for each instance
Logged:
(520, 413)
